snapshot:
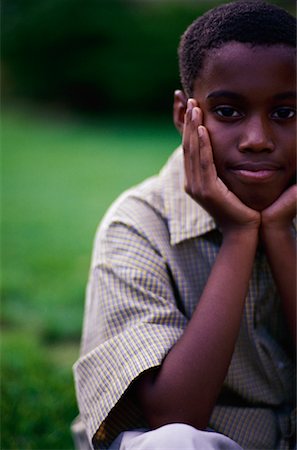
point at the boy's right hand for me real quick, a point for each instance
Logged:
(202, 182)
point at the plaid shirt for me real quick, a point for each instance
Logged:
(152, 257)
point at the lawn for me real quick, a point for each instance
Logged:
(59, 174)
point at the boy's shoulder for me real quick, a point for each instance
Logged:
(150, 195)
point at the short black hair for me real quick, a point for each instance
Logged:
(248, 21)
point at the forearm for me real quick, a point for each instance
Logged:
(280, 247)
(186, 386)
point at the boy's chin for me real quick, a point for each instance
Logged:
(259, 204)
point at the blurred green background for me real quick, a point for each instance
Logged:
(86, 112)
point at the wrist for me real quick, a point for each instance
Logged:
(277, 231)
(241, 234)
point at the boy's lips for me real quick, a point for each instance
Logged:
(255, 171)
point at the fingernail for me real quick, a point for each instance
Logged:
(189, 104)
(194, 114)
(200, 131)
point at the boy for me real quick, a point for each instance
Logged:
(190, 317)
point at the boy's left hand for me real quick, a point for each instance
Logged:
(278, 238)
(279, 215)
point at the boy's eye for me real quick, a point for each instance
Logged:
(227, 112)
(285, 112)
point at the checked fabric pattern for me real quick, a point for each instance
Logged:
(152, 256)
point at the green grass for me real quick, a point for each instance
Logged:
(38, 402)
(58, 177)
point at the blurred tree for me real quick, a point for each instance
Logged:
(96, 55)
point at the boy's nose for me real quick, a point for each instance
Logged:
(256, 136)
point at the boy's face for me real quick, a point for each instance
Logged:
(248, 99)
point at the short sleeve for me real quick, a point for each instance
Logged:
(131, 319)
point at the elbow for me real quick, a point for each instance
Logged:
(162, 405)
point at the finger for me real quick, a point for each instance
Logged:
(194, 157)
(186, 142)
(208, 171)
(187, 122)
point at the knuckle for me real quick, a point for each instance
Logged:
(204, 165)
(185, 146)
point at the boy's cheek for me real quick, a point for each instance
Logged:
(216, 129)
(221, 140)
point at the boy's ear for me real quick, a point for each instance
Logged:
(179, 109)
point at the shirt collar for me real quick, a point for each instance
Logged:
(186, 219)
